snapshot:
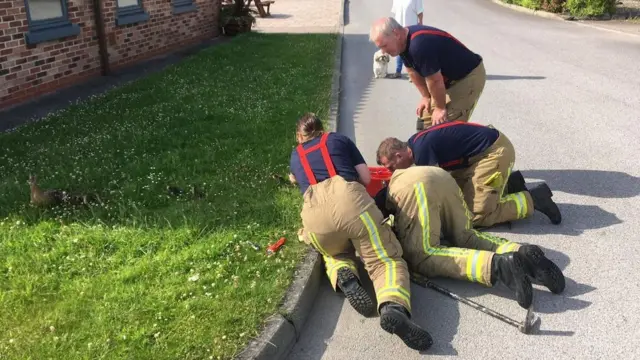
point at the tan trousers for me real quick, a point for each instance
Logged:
(340, 217)
(483, 184)
(428, 203)
(461, 97)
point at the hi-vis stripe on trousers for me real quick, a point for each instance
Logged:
(340, 217)
(483, 184)
(428, 203)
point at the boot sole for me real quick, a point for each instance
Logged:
(412, 335)
(356, 294)
(524, 289)
(544, 270)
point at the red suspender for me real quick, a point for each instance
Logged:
(444, 125)
(322, 145)
(438, 33)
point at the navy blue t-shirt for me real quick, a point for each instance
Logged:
(433, 50)
(449, 145)
(344, 155)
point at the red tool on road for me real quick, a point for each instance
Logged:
(272, 249)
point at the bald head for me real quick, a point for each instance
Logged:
(388, 35)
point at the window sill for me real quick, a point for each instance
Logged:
(184, 8)
(51, 31)
(131, 15)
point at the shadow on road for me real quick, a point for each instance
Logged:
(596, 183)
(576, 219)
(513, 77)
(356, 80)
(441, 318)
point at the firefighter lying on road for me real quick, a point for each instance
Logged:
(425, 202)
(339, 216)
(480, 159)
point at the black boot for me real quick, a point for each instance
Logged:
(510, 269)
(515, 183)
(541, 196)
(541, 269)
(395, 319)
(354, 292)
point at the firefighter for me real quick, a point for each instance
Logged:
(449, 76)
(426, 202)
(480, 158)
(339, 216)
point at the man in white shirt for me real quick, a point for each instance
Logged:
(407, 13)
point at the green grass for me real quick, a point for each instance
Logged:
(115, 281)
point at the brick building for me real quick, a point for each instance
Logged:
(46, 45)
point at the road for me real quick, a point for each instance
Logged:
(568, 97)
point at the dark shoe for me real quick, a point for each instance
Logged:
(515, 183)
(510, 269)
(394, 319)
(541, 196)
(355, 293)
(541, 269)
(396, 75)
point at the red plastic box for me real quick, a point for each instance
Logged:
(379, 178)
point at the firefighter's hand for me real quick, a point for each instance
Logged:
(439, 116)
(423, 105)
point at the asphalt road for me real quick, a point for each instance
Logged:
(569, 99)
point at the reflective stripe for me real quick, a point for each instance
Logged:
(316, 243)
(507, 247)
(474, 264)
(521, 203)
(423, 214)
(467, 213)
(398, 291)
(333, 265)
(381, 253)
(391, 287)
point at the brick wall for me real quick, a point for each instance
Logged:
(162, 32)
(46, 65)
(26, 73)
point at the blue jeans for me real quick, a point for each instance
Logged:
(398, 64)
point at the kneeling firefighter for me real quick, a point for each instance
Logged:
(480, 158)
(425, 202)
(339, 216)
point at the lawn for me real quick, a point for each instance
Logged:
(146, 274)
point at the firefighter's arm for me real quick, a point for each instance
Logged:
(435, 83)
(420, 83)
(364, 175)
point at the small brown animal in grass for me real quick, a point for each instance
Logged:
(52, 197)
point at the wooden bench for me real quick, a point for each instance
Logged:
(260, 5)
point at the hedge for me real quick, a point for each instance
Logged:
(579, 8)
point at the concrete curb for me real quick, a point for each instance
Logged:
(283, 330)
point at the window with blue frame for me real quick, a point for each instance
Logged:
(130, 12)
(48, 20)
(183, 6)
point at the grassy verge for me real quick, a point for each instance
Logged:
(149, 275)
